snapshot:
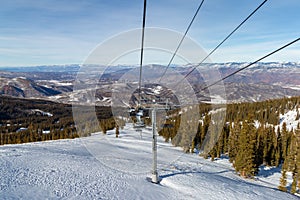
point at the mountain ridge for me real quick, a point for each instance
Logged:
(259, 82)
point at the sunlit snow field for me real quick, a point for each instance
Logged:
(106, 167)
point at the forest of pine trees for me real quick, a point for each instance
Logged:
(247, 145)
(23, 121)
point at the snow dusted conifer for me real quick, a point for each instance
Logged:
(117, 131)
(283, 181)
(294, 183)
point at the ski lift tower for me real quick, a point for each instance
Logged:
(140, 124)
(155, 178)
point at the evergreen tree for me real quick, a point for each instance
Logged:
(294, 183)
(285, 139)
(235, 130)
(245, 158)
(292, 153)
(260, 145)
(117, 131)
(283, 181)
(278, 154)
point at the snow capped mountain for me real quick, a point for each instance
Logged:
(44, 68)
(23, 87)
(261, 81)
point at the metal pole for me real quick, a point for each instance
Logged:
(154, 148)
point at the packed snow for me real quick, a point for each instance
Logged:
(290, 118)
(106, 167)
(38, 111)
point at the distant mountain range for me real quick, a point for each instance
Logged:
(43, 68)
(259, 82)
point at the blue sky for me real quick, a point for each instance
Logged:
(49, 32)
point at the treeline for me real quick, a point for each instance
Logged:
(23, 120)
(249, 137)
(34, 135)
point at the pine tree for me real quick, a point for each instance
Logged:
(245, 158)
(117, 131)
(103, 126)
(278, 154)
(235, 130)
(213, 153)
(283, 181)
(253, 164)
(292, 154)
(260, 145)
(294, 183)
(192, 150)
(285, 141)
(297, 161)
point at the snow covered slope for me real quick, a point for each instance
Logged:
(290, 118)
(73, 169)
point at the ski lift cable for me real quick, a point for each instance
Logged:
(142, 45)
(226, 38)
(250, 64)
(142, 51)
(182, 39)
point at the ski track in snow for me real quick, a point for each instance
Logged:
(66, 169)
